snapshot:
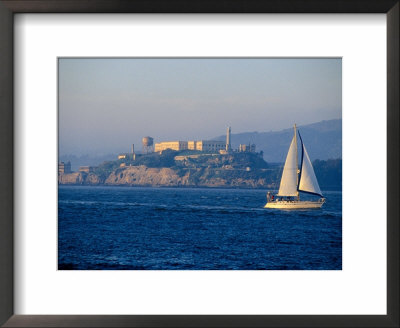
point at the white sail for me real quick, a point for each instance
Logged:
(308, 181)
(288, 185)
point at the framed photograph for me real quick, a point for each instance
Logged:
(165, 166)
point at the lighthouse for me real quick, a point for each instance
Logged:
(228, 139)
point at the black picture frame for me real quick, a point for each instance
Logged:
(10, 7)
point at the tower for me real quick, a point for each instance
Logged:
(147, 145)
(228, 139)
(133, 152)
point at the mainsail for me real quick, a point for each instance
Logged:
(308, 181)
(288, 185)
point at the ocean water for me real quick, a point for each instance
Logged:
(127, 228)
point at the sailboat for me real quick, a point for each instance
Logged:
(295, 180)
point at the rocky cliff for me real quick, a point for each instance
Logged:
(144, 176)
(174, 177)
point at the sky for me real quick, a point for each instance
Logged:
(107, 104)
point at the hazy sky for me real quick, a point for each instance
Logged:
(105, 105)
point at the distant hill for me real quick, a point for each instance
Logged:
(323, 141)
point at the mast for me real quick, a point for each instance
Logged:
(297, 160)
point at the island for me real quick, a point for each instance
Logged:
(191, 168)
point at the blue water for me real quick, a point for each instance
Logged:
(126, 228)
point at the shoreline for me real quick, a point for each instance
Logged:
(176, 187)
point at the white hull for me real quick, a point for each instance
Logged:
(294, 205)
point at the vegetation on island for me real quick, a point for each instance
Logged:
(329, 173)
